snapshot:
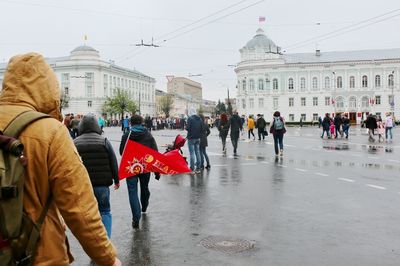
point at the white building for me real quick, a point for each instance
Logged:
(308, 85)
(88, 80)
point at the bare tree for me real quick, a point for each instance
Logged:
(166, 103)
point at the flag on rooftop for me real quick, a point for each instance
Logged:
(261, 19)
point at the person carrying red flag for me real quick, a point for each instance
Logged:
(140, 134)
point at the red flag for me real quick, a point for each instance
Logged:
(138, 159)
(261, 19)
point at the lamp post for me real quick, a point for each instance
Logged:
(392, 94)
(334, 92)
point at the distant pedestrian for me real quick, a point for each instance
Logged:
(236, 126)
(370, 123)
(250, 126)
(388, 126)
(301, 122)
(346, 125)
(125, 124)
(223, 128)
(74, 125)
(380, 129)
(319, 122)
(194, 125)
(260, 125)
(99, 159)
(332, 129)
(205, 131)
(326, 122)
(338, 123)
(140, 134)
(277, 129)
(101, 123)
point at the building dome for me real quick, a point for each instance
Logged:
(260, 40)
(84, 48)
(84, 51)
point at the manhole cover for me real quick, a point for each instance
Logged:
(226, 244)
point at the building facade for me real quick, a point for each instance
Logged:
(86, 80)
(185, 86)
(308, 85)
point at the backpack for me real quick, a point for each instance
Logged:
(278, 124)
(19, 235)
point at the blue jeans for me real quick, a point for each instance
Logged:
(102, 194)
(278, 139)
(346, 130)
(133, 194)
(388, 132)
(194, 150)
(203, 154)
(327, 132)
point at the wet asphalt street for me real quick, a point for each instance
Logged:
(325, 202)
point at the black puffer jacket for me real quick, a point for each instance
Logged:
(96, 152)
(205, 131)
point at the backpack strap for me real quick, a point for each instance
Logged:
(22, 120)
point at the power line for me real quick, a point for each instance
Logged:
(305, 42)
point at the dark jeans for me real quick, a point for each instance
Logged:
(223, 138)
(261, 133)
(234, 140)
(251, 132)
(278, 139)
(133, 194)
(328, 134)
(203, 154)
(102, 194)
(337, 130)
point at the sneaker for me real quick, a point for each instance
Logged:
(208, 166)
(281, 153)
(197, 171)
(135, 224)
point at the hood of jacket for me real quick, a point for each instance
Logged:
(89, 124)
(29, 81)
(138, 131)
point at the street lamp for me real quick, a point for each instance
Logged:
(334, 92)
(391, 83)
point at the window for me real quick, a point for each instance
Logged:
(315, 117)
(290, 84)
(377, 81)
(339, 102)
(339, 82)
(260, 85)
(275, 84)
(244, 85)
(391, 80)
(291, 101)
(105, 81)
(377, 99)
(315, 83)
(303, 101)
(303, 117)
(251, 85)
(365, 102)
(327, 101)
(364, 81)
(275, 103)
(291, 117)
(327, 83)
(315, 101)
(251, 103)
(243, 103)
(119, 82)
(352, 82)
(353, 102)
(303, 84)
(260, 102)
(89, 84)
(89, 103)
(64, 83)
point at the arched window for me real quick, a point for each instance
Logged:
(353, 102)
(391, 80)
(290, 84)
(364, 81)
(244, 85)
(365, 102)
(377, 81)
(352, 82)
(260, 85)
(339, 82)
(275, 84)
(315, 83)
(339, 102)
(251, 85)
(303, 84)
(327, 83)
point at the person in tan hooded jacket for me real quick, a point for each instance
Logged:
(54, 166)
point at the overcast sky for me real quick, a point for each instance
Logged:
(54, 28)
